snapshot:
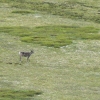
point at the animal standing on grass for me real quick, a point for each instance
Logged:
(25, 54)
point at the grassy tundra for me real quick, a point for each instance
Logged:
(65, 37)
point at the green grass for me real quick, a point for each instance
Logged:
(70, 72)
(7, 94)
(77, 10)
(65, 64)
(53, 36)
(22, 12)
